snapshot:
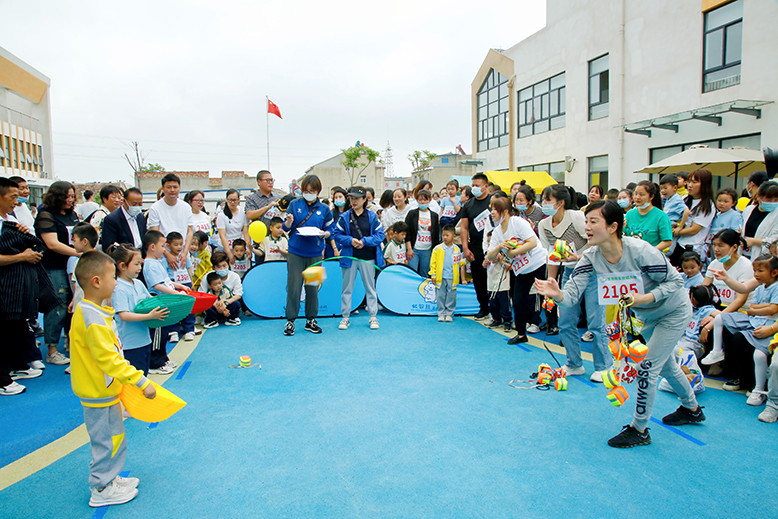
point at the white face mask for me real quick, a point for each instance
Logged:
(645, 206)
(309, 197)
(477, 191)
(134, 210)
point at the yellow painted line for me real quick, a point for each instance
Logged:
(78, 437)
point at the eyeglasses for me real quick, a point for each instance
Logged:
(233, 200)
(271, 180)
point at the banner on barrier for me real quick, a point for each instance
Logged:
(402, 291)
(264, 291)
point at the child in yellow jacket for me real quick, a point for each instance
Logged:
(98, 372)
(447, 269)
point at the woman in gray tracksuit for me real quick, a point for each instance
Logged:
(663, 305)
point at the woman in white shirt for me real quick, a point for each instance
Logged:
(398, 211)
(528, 260)
(760, 221)
(232, 224)
(702, 212)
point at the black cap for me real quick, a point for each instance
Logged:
(283, 204)
(357, 191)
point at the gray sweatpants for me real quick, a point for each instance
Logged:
(294, 286)
(109, 443)
(446, 295)
(772, 382)
(662, 335)
(367, 272)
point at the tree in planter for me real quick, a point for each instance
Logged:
(357, 159)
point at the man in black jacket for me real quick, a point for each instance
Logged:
(127, 223)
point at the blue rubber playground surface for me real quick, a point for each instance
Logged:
(414, 420)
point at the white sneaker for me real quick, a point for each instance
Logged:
(770, 413)
(596, 377)
(757, 398)
(588, 337)
(533, 328)
(344, 324)
(126, 482)
(441, 318)
(712, 358)
(164, 370)
(199, 320)
(173, 337)
(36, 364)
(112, 494)
(189, 336)
(374, 323)
(26, 373)
(14, 389)
(232, 322)
(580, 370)
(171, 364)
(57, 359)
(67, 370)
(450, 318)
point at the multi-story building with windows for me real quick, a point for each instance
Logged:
(25, 124)
(617, 85)
(332, 173)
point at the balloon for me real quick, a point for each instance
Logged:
(257, 231)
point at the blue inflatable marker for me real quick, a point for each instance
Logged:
(402, 291)
(264, 291)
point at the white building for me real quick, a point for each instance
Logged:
(618, 84)
(332, 173)
(25, 124)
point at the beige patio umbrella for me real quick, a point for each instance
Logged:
(732, 162)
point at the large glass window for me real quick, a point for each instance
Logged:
(598, 88)
(722, 46)
(493, 109)
(542, 106)
(598, 171)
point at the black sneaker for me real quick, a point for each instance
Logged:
(630, 437)
(682, 416)
(553, 331)
(312, 326)
(494, 324)
(731, 385)
(508, 327)
(481, 315)
(289, 330)
(518, 339)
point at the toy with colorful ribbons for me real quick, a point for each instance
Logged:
(561, 250)
(545, 377)
(623, 352)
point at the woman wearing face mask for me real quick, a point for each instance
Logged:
(525, 206)
(761, 220)
(423, 234)
(646, 220)
(569, 225)
(625, 199)
(339, 200)
(662, 304)
(702, 211)
(304, 251)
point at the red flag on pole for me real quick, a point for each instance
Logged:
(272, 108)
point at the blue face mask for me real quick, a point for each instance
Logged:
(340, 203)
(22, 199)
(623, 202)
(769, 206)
(222, 273)
(423, 207)
(549, 209)
(477, 191)
(521, 207)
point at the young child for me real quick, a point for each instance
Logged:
(183, 276)
(498, 284)
(683, 176)
(242, 261)
(394, 252)
(275, 246)
(200, 254)
(447, 269)
(231, 287)
(129, 291)
(99, 372)
(691, 264)
(727, 217)
(155, 272)
(84, 240)
(758, 327)
(450, 204)
(674, 205)
(703, 299)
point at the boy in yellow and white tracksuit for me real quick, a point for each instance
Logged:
(447, 268)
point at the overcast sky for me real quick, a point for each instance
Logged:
(188, 79)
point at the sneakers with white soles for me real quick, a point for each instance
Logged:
(712, 358)
(450, 318)
(232, 322)
(112, 494)
(36, 364)
(580, 370)
(770, 413)
(189, 336)
(344, 324)
(57, 359)
(441, 318)
(126, 482)
(163, 370)
(173, 337)
(26, 373)
(588, 337)
(757, 398)
(14, 389)
(374, 323)
(596, 377)
(533, 328)
(171, 364)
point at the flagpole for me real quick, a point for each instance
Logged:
(267, 121)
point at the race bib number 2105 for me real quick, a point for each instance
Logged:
(612, 286)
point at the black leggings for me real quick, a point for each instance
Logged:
(523, 301)
(739, 360)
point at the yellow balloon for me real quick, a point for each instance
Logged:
(257, 231)
(742, 203)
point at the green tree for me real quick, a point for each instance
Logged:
(421, 159)
(357, 159)
(153, 167)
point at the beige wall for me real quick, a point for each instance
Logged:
(332, 173)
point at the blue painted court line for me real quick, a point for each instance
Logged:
(100, 512)
(182, 371)
(587, 382)
(679, 432)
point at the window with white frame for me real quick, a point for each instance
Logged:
(493, 108)
(542, 106)
(598, 171)
(598, 88)
(722, 46)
